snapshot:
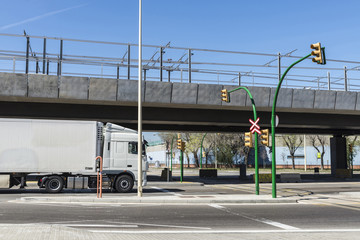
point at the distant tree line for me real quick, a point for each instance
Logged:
(225, 147)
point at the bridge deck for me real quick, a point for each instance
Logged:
(175, 106)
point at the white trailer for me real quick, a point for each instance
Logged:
(61, 154)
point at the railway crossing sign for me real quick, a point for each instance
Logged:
(255, 127)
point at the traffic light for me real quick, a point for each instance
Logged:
(203, 154)
(179, 144)
(225, 95)
(265, 137)
(319, 53)
(183, 145)
(248, 139)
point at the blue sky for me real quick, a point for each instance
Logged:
(254, 26)
(260, 26)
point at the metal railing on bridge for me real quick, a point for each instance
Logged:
(87, 58)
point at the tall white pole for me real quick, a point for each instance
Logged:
(140, 176)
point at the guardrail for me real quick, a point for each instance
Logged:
(73, 57)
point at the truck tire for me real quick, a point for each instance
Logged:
(54, 184)
(124, 184)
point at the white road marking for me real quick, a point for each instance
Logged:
(166, 191)
(277, 224)
(61, 222)
(217, 206)
(262, 220)
(228, 231)
(99, 225)
(160, 225)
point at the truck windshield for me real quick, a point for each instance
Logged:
(133, 148)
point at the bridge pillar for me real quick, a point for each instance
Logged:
(338, 153)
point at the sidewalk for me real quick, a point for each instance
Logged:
(167, 199)
(164, 197)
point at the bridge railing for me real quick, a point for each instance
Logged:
(73, 57)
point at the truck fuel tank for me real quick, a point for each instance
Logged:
(77, 182)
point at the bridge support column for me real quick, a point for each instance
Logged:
(338, 153)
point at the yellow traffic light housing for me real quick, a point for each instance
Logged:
(248, 140)
(225, 95)
(319, 53)
(203, 154)
(179, 144)
(183, 145)
(265, 137)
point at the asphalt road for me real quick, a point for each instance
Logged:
(302, 219)
(154, 217)
(330, 214)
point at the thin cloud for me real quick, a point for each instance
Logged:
(39, 17)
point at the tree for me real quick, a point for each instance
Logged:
(228, 146)
(351, 151)
(167, 138)
(293, 142)
(193, 141)
(317, 140)
(225, 146)
(224, 149)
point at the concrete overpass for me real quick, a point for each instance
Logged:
(176, 106)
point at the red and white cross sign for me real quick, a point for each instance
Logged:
(255, 127)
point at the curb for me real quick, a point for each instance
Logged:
(174, 184)
(153, 200)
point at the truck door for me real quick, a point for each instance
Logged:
(132, 156)
(118, 154)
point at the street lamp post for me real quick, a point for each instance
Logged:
(139, 187)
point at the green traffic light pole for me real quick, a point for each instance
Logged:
(256, 138)
(172, 142)
(273, 160)
(181, 165)
(201, 147)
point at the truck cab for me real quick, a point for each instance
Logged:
(120, 157)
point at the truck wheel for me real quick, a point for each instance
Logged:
(54, 184)
(124, 184)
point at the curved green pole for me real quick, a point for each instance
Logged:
(172, 143)
(273, 160)
(256, 140)
(201, 147)
(181, 165)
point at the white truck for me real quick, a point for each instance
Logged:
(61, 154)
